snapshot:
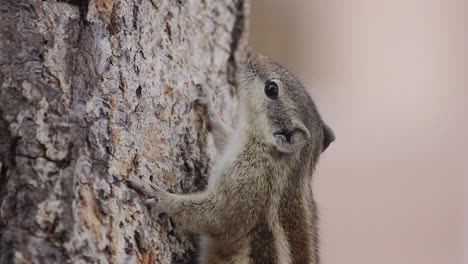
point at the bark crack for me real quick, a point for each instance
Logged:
(236, 34)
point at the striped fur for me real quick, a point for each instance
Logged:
(258, 207)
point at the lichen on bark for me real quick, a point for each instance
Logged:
(92, 93)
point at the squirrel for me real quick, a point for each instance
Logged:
(258, 205)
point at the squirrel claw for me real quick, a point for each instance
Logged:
(147, 189)
(150, 201)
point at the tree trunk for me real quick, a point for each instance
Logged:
(96, 92)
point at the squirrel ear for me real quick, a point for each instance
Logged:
(328, 137)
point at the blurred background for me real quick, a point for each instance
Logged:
(390, 77)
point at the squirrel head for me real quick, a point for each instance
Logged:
(279, 110)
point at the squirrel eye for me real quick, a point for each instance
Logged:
(271, 89)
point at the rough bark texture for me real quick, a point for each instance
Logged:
(92, 93)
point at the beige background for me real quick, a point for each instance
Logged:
(389, 77)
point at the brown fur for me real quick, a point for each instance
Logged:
(258, 206)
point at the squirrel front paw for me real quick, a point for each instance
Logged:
(204, 103)
(292, 138)
(158, 198)
(147, 189)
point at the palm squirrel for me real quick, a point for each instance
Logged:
(258, 205)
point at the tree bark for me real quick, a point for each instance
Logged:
(96, 92)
